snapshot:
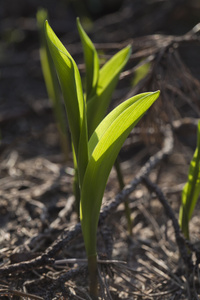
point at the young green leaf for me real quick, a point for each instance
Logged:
(108, 77)
(191, 189)
(91, 62)
(104, 146)
(51, 81)
(100, 84)
(71, 86)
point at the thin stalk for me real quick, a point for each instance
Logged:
(76, 190)
(76, 186)
(93, 276)
(126, 203)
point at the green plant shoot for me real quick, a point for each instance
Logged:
(100, 85)
(141, 72)
(94, 156)
(191, 190)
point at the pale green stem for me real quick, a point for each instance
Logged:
(76, 187)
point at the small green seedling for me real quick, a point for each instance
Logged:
(100, 84)
(94, 152)
(191, 190)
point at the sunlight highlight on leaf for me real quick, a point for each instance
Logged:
(104, 146)
(71, 86)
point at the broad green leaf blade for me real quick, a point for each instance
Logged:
(108, 78)
(191, 189)
(91, 61)
(51, 82)
(48, 68)
(104, 146)
(109, 119)
(111, 70)
(71, 86)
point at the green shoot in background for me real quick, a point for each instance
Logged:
(95, 150)
(141, 72)
(191, 190)
(52, 84)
